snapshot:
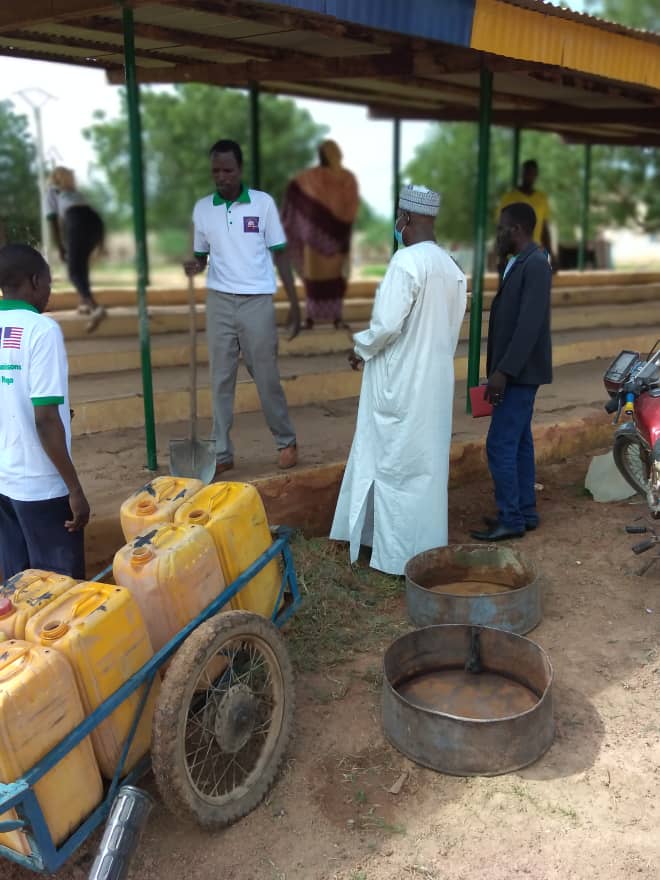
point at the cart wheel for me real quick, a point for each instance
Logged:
(223, 719)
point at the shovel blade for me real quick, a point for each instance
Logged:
(193, 458)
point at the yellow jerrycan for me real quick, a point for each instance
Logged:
(39, 706)
(155, 504)
(234, 515)
(26, 593)
(100, 629)
(173, 573)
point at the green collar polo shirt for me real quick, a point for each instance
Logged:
(238, 238)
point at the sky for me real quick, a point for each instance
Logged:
(72, 94)
(76, 93)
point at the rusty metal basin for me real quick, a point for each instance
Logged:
(474, 584)
(468, 701)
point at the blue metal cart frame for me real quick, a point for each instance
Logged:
(20, 796)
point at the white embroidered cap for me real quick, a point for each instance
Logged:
(419, 200)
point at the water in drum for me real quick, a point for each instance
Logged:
(469, 695)
(470, 588)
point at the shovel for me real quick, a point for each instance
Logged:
(193, 458)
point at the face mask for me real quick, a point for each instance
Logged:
(398, 234)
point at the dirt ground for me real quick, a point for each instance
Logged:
(111, 464)
(589, 808)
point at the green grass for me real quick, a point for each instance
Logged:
(541, 806)
(376, 270)
(346, 610)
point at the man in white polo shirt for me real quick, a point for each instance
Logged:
(43, 509)
(238, 232)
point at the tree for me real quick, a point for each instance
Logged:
(179, 126)
(634, 13)
(623, 190)
(19, 189)
(624, 179)
(632, 173)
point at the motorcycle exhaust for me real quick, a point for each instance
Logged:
(128, 816)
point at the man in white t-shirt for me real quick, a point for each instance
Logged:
(43, 509)
(238, 232)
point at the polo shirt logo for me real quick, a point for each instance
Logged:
(11, 337)
(250, 224)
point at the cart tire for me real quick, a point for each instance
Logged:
(223, 719)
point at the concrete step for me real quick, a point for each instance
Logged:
(602, 285)
(105, 354)
(123, 320)
(358, 294)
(119, 353)
(102, 403)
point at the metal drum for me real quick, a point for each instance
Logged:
(474, 584)
(469, 701)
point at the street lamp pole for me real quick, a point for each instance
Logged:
(36, 98)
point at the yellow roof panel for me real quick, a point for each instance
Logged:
(504, 29)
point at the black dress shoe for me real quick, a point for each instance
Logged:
(499, 533)
(492, 522)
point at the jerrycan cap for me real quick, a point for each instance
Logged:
(53, 630)
(145, 507)
(198, 517)
(141, 555)
(6, 607)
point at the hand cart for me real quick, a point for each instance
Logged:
(220, 729)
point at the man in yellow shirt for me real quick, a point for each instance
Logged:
(537, 199)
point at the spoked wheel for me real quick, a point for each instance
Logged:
(633, 461)
(223, 719)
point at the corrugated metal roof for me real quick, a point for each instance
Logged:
(534, 31)
(449, 20)
(585, 18)
(553, 70)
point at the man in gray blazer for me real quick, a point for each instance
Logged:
(519, 360)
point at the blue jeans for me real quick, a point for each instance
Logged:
(510, 451)
(32, 535)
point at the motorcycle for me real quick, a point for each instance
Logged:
(633, 384)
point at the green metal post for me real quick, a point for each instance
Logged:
(586, 190)
(515, 158)
(255, 138)
(396, 172)
(480, 224)
(140, 230)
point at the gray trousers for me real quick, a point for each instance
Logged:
(238, 323)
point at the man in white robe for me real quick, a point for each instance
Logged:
(393, 496)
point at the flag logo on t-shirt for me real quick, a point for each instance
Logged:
(11, 337)
(250, 224)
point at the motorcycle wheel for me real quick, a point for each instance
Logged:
(633, 461)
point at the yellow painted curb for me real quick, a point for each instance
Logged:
(109, 359)
(127, 411)
(323, 341)
(123, 321)
(580, 282)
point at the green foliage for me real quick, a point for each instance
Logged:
(623, 188)
(179, 125)
(634, 13)
(19, 189)
(373, 231)
(173, 244)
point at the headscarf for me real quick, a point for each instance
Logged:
(331, 153)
